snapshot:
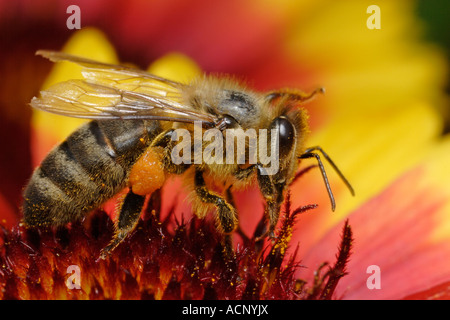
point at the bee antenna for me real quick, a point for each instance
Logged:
(310, 154)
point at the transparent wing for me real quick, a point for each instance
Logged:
(116, 92)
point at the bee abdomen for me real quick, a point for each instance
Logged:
(84, 171)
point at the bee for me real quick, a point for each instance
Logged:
(131, 138)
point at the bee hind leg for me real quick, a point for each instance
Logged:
(129, 214)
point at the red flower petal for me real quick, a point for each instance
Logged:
(392, 231)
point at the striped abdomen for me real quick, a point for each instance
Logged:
(88, 168)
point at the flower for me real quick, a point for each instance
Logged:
(155, 262)
(379, 120)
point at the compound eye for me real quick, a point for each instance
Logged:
(286, 133)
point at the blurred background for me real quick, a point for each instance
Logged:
(238, 37)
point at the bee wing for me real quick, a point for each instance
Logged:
(116, 92)
(95, 70)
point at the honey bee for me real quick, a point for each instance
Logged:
(131, 139)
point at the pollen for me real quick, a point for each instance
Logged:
(147, 175)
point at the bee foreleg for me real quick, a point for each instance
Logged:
(230, 198)
(226, 214)
(273, 195)
(129, 214)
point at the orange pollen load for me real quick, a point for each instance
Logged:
(147, 174)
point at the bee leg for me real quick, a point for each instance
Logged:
(226, 214)
(164, 139)
(230, 198)
(244, 173)
(130, 212)
(273, 194)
